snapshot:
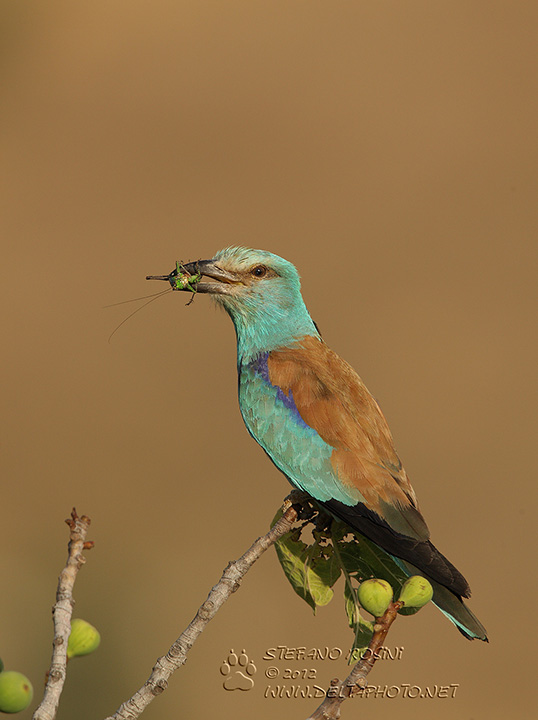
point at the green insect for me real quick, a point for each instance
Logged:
(181, 279)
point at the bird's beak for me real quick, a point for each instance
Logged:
(207, 268)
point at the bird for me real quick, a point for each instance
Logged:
(315, 419)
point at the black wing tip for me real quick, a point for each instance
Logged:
(421, 553)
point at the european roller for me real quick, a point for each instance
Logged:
(315, 419)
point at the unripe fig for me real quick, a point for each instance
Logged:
(83, 640)
(375, 596)
(16, 691)
(416, 592)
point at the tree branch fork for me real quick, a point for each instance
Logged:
(294, 508)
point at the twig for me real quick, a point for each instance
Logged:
(177, 654)
(61, 615)
(356, 680)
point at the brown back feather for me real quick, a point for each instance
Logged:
(332, 399)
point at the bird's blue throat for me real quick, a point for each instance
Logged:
(267, 321)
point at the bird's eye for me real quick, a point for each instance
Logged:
(259, 271)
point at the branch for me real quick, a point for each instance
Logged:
(228, 583)
(61, 615)
(339, 691)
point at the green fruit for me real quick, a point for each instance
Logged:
(416, 592)
(16, 692)
(375, 596)
(83, 640)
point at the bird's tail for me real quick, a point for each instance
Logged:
(451, 605)
(457, 611)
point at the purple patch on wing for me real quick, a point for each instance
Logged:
(261, 368)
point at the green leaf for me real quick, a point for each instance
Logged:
(312, 569)
(366, 560)
(362, 628)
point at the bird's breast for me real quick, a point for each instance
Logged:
(274, 421)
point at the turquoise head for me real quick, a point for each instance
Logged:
(261, 292)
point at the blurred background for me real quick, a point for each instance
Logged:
(388, 150)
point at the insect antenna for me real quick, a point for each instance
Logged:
(152, 299)
(143, 297)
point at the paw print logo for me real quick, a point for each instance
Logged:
(238, 672)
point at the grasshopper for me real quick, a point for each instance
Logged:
(180, 279)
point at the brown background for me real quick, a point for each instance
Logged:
(387, 149)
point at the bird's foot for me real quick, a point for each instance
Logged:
(302, 503)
